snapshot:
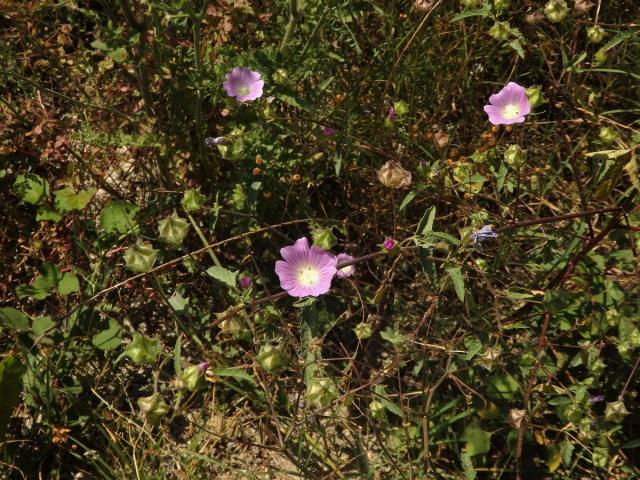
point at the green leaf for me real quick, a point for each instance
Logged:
(41, 325)
(455, 273)
(11, 371)
(222, 274)
(43, 284)
(31, 188)
(110, 338)
(45, 213)
(14, 319)
(235, 373)
(118, 55)
(478, 441)
(178, 302)
(99, 45)
(119, 217)
(473, 346)
(501, 387)
(517, 46)
(68, 200)
(469, 472)
(477, 12)
(68, 284)
(426, 223)
(407, 200)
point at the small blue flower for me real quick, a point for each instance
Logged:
(482, 235)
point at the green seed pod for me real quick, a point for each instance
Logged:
(153, 408)
(193, 200)
(596, 34)
(140, 257)
(607, 135)
(280, 76)
(363, 330)
(534, 94)
(514, 156)
(324, 238)
(142, 349)
(500, 31)
(401, 107)
(489, 357)
(615, 411)
(377, 409)
(500, 5)
(173, 229)
(600, 56)
(272, 358)
(471, 3)
(556, 10)
(192, 377)
(320, 392)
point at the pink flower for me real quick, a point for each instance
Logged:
(305, 271)
(389, 243)
(328, 132)
(391, 114)
(243, 84)
(509, 105)
(345, 272)
(245, 282)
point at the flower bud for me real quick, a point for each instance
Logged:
(516, 417)
(471, 3)
(272, 358)
(441, 139)
(607, 135)
(489, 357)
(615, 411)
(600, 56)
(193, 200)
(140, 257)
(534, 95)
(377, 409)
(393, 175)
(153, 408)
(500, 5)
(320, 392)
(514, 156)
(556, 10)
(280, 76)
(193, 377)
(582, 6)
(389, 243)
(142, 349)
(596, 34)
(401, 108)
(363, 330)
(324, 238)
(173, 229)
(500, 31)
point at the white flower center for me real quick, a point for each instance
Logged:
(511, 111)
(308, 275)
(243, 90)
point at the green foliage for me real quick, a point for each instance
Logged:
(31, 188)
(11, 370)
(119, 217)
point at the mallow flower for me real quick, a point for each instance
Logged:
(345, 272)
(305, 271)
(243, 84)
(509, 105)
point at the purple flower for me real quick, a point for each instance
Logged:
(596, 398)
(482, 235)
(245, 282)
(389, 243)
(202, 366)
(345, 271)
(391, 115)
(509, 105)
(328, 132)
(305, 271)
(243, 84)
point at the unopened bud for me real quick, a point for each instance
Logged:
(596, 34)
(556, 10)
